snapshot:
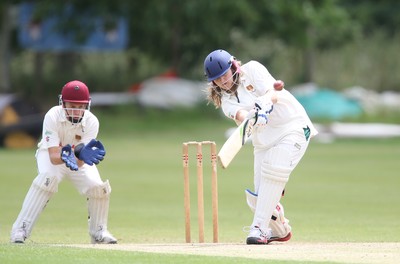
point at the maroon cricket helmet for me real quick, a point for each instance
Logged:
(75, 92)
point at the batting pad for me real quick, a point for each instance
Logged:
(272, 183)
(279, 224)
(98, 204)
(251, 199)
(40, 192)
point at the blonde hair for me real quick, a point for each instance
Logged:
(214, 95)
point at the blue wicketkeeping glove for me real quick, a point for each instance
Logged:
(91, 153)
(69, 158)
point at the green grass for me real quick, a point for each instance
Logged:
(346, 191)
(17, 254)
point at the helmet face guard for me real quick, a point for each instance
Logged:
(74, 115)
(217, 63)
(75, 92)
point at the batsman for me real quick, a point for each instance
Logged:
(68, 149)
(281, 132)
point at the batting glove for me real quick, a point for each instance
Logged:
(69, 158)
(263, 111)
(252, 116)
(91, 153)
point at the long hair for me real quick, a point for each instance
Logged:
(214, 92)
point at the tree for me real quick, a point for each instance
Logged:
(186, 30)
(179, 34)
(309, 25)
(5, 33)
(374, 15)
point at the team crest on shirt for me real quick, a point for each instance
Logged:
(250, 88)
(48, 134)
(78, 137)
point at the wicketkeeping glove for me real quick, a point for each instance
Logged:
(91, 153)
(69, 158)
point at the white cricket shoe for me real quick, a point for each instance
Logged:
(18, 236)
(103, 237)
(257, 236)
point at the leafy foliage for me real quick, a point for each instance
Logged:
(177, 35)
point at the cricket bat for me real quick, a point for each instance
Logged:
(235, 142)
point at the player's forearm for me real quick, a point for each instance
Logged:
(55, 157)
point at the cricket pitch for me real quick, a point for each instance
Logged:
(311, 251)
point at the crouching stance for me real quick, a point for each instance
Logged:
(68, 148)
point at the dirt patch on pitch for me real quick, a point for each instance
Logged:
(333, 252)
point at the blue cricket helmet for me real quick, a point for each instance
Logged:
(217, 63)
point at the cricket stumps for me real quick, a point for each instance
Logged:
(200, 195)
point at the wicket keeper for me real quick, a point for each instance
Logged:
(68, 149)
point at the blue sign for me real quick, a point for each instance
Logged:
(45, 34)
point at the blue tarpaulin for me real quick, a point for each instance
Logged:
(328, 104)
(46, 34)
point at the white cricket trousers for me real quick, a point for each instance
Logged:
(272, 168)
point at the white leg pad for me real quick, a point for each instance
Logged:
(42, 189)
(274, 179)
(279, 224)
(251, 199)
(98, 204)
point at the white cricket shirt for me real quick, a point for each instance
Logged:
(58, 131)
(287, 116)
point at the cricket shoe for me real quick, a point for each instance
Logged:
(257, 236)
(103, 237)
(18, 236)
